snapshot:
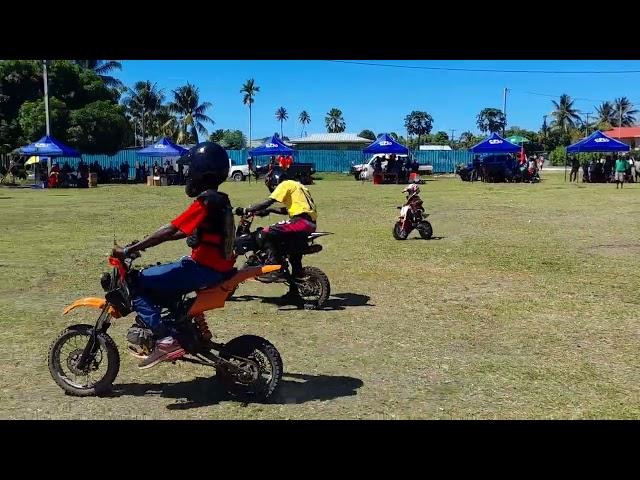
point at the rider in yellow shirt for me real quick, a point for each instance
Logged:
(302, 212)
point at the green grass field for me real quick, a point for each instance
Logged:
(525, 306)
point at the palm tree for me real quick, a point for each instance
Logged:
(250, 89)
(305, 119)
(606, 113)
(143, 102)
(102, 68)
(191, 113)
(165, 124)
(565, 115)
(281, 116)
(624, 112)
(334, 121)
(466, 139)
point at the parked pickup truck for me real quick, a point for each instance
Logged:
(238, 173)
(364, 171)
(302, 172)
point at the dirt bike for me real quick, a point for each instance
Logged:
(84, 360)
(412, 217)
(313, 291)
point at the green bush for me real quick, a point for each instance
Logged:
(557, 157)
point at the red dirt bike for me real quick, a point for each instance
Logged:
(84, 360)
(412, 217)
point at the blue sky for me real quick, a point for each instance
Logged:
(378, 98)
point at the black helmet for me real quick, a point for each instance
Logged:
(208, 167)
(278, 176)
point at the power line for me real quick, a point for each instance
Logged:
(485, 70)
(572, 98)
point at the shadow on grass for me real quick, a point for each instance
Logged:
(427, 239)
(295, 388)
(338, 301)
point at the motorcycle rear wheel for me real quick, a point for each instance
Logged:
(315, 290)
(260, 377)
(425, 230)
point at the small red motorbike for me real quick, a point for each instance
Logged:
(412, 216)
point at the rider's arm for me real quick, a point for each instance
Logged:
(278, 210)
(163, 234)
(260, 206)
(180, 227)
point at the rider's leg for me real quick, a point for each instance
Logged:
(161, 285)
(275, 235)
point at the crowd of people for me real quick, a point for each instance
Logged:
(397, 169)
(66, 176)
(608, 169)
(503, 168)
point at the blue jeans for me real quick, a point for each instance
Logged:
(162, 285)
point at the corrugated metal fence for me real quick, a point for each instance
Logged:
(443, 161)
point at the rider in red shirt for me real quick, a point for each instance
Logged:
(208, 226)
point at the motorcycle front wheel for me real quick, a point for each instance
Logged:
(258, 368)
(398, 232)
(98, 376)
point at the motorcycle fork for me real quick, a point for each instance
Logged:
(90, 349)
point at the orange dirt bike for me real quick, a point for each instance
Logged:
(84, 360)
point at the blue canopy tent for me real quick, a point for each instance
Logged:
(387, 145)
(162, 148)
(48, 146)
(273, 146)
(596, 142)
(495, 144)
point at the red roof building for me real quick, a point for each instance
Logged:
(628, 135)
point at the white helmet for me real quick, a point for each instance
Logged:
(411, 190)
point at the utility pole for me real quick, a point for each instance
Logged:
(452, 130)
(587, 124)
(620, 124)
(504, 110)
(46, 98)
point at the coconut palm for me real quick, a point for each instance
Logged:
(606, 113)
(565, 116)
(466, 139)
(305, 119)
(102, 68)
(334, 121)
(624, 113)
(191, 113)
(281, 116)
(143, 102)
(250, 89)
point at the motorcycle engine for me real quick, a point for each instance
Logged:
(140, 340)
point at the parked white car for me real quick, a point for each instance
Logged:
(364, 171)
